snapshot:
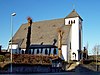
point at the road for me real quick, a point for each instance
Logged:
(80, 70)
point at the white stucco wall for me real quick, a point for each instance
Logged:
(68, 46)
(64, 52)
(15, 48)
(75, 39)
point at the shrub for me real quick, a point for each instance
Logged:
(2, 58)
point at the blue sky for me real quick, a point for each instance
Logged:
(89, 10)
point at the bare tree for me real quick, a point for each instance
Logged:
(96, 51)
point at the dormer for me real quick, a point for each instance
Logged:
(73, 17)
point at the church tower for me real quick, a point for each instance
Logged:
(74, 44)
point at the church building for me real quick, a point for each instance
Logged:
(50, 37)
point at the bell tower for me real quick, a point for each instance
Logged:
(75, 42)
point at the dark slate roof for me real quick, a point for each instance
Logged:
(44, 32)
(73, 14)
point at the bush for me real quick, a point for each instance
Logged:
(2, 58)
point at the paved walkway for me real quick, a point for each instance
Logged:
(72, 67)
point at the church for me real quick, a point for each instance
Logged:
(62, 37)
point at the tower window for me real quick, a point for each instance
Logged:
(74, 21)
(70, 45)
(69, 22)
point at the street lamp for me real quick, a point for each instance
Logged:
(13, 14)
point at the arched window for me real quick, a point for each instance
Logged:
(46, 51)
(22, 51)
(33, 51)
(19, 50)
(54, 51)
(37, 51)
(70, 45)
(29, 51)
(74, 56)
(74, 21)
(49, 51)
(69, 22)
(41, 50)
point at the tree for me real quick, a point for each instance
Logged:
(2, 58)
(85, 53)
(96, 50)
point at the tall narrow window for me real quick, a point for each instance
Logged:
(70, 45)
(74, 21)
(69, 22)
(41, 50)
(29, 51)
(37, 51)
(46, 51)
(22, 51)
(33, 51)
(54, 51)
(49, 51)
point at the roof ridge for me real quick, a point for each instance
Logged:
(48, 20)
(44, 20)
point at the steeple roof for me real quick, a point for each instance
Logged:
(73, 14)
